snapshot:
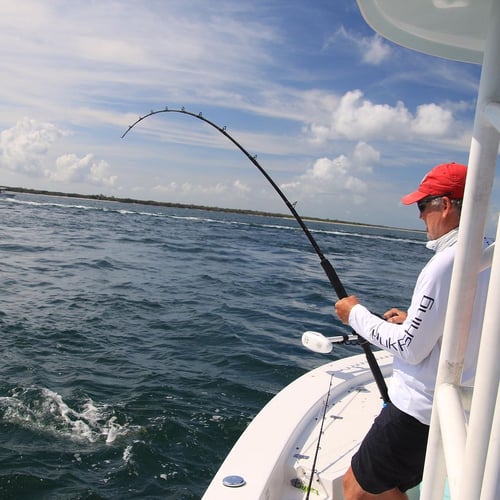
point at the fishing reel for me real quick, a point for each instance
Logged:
(317, 342)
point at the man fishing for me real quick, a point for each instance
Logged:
(391, 457)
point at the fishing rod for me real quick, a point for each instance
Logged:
(325, 263)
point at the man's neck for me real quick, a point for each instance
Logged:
(445, 241)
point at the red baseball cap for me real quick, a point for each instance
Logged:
(447, 179)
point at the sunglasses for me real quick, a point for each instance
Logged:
(422, 204)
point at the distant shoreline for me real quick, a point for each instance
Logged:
(102, 197)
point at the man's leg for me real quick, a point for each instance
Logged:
(353, 491)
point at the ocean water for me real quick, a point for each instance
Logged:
(138, 342)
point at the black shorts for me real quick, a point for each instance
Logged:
(392, 454)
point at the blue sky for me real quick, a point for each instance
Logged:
(344, 121)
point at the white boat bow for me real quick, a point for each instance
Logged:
(274, 456)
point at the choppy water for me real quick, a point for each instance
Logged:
(138, 342)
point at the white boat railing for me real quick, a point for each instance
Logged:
(467, 450)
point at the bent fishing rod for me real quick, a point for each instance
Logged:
(325, 263)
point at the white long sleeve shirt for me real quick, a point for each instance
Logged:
(416, 344)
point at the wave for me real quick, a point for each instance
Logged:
(223, 221)
(371, 236)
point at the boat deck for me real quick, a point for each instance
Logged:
(347, 420)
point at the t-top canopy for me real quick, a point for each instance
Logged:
(453, 29)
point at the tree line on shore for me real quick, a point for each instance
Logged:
(102, 197)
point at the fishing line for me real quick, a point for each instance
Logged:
(325, 263)
(316, 453)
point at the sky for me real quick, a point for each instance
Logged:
(345, 122)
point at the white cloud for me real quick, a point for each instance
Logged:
(24, 147)
(70, 168)
(355, 118)
(432, 120)
(163, 47)
(240, 186)
(374, 50)
(345, 175)
(364, 156)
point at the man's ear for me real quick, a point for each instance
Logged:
(447, 204)
(450, 211)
